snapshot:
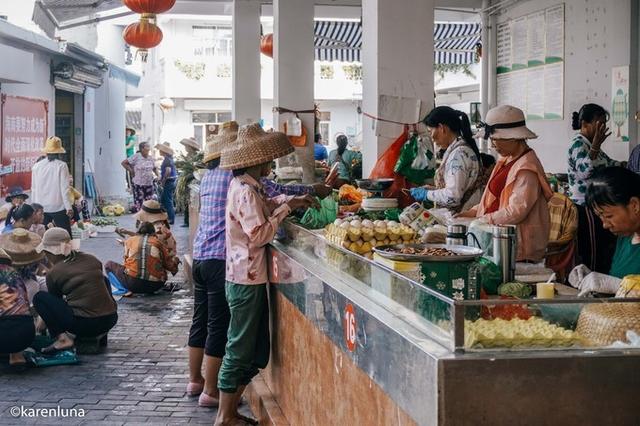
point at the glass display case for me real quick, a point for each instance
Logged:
(461, 326)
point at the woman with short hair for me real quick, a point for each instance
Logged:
(614, 195)
(143, 170)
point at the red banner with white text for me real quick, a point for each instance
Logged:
(24, 130)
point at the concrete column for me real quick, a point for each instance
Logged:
(397, 60)
(293, 57)
(246, 61)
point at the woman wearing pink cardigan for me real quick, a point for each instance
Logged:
(518, 191)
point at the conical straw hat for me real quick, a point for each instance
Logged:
(255, 146)
(226, 135)
(20, 245)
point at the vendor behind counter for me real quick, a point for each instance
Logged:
(614, 194)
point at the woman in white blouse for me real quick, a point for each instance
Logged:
(457, 182)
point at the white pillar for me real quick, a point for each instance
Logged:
(397, 60)
(246, 61)
(293, 56)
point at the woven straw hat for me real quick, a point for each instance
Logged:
(151, 211)
(507, 122)
(56, 241)
(254, 146)
(226, 135)
(190, 143)
(21, 245)
(165, 147)
(53, 145)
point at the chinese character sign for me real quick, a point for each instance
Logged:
(24, 130)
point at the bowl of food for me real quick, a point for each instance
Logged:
(429, 252)
(374, 184)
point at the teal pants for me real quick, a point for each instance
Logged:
(248, 344)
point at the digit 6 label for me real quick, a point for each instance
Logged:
(350, 327)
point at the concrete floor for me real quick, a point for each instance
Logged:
(142, 376)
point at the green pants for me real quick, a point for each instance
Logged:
(248, 345)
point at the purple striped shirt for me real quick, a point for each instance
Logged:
(210, 237)
(210, 240)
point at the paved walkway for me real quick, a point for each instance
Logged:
(142, 376)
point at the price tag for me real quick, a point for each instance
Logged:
(350, 327)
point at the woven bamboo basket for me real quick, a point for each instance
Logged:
(603, 324)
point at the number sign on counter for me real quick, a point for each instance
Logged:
(350, 327)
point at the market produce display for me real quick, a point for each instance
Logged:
(113, 210)
(361, 236)
(515, 289)
(533, 332)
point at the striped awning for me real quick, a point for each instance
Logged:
(454, 43)
(338, 41)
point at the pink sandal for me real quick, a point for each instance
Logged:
(207, 401)
(194, 388)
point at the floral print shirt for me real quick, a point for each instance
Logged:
(10, 278)
(460, 170)
(581, 166)
(252, 221)
(143, 168)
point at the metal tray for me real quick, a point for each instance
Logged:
(465, 253)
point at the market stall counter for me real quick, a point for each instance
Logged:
(355, 340)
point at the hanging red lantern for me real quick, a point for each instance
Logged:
(149, 6)
(144, 35)
(266, 45)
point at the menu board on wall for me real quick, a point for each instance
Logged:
(24, 129)
(530, 63)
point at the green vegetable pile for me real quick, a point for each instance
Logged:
(515, 289)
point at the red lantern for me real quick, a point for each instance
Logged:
(149, 6)
(144, 35)
(266, 45)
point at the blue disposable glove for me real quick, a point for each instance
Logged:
(419, 194)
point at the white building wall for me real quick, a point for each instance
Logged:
(597, 38)
(109, 151)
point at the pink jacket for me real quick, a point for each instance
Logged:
(523, 203)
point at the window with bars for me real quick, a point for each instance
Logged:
(212, 40)
(207, 123)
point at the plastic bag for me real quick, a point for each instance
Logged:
(384, 168)
(293, 126)
(319, 218)
(413, 155)
(299, 140)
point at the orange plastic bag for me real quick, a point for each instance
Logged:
(298, 141)
(384, 169)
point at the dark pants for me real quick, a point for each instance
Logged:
(210, 309)
(133, 284)
(60, 220)
(168, 193)
(596, 245)
(59, 317)
(16, 333)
